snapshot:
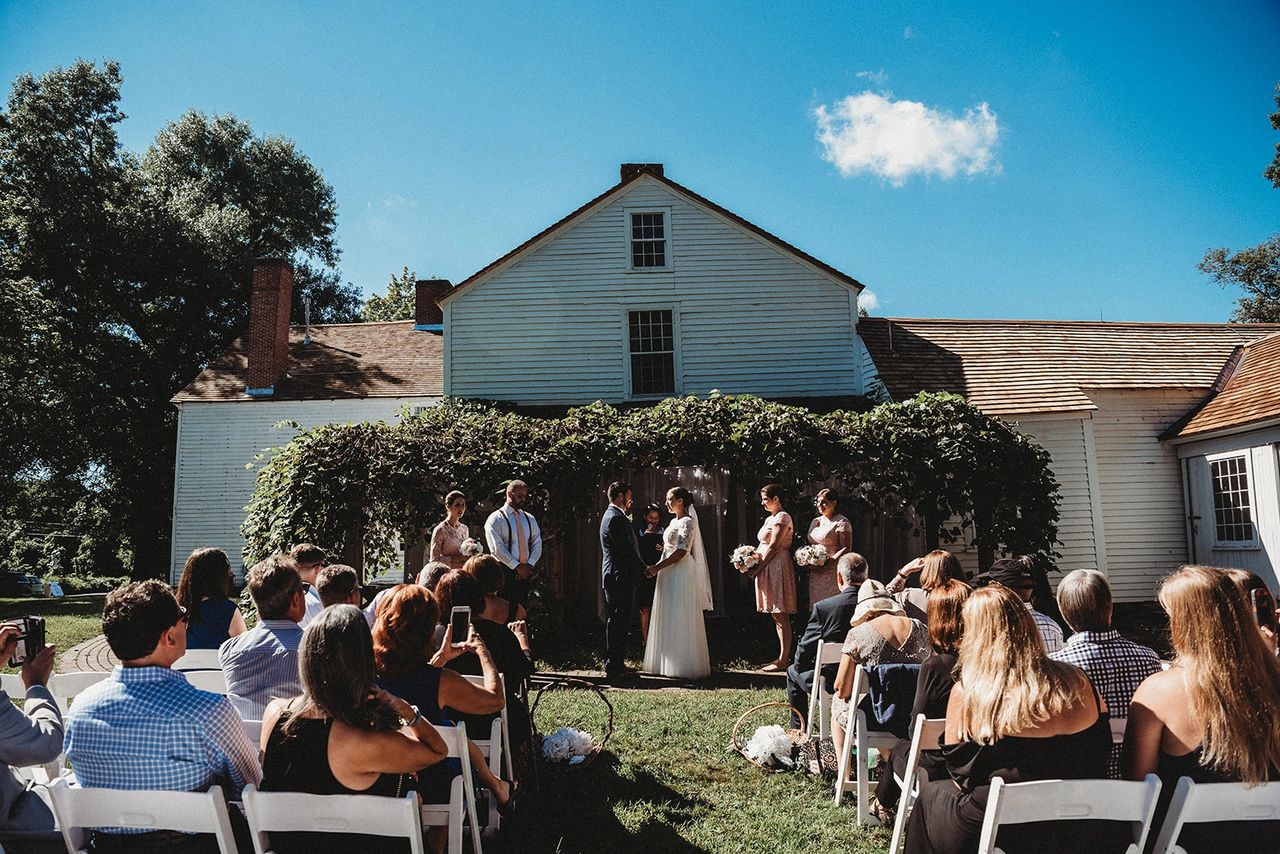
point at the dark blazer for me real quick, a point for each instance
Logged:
(622, 559)
(829, 621)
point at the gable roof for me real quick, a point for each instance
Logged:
(1247, 393)
(1021, 367)
(615, 190)
(343, 360)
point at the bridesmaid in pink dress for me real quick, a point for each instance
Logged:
(447, 537)
(834, 531)
(776, 583)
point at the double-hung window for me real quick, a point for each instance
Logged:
(1232, 502)
(652, 352)
(649, 240)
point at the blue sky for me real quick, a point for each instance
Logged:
(1118, 140)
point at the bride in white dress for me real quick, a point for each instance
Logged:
(677, 644)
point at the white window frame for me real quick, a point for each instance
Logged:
(666, 230)
(1246, 455)
(626, 349)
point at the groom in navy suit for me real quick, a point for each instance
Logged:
(623, 567)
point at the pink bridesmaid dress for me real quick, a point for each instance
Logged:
(776, 585)
(836, 534)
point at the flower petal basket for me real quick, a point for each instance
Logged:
(801, 746)
(582, 706)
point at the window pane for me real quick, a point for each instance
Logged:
(1232, 510)
(651, 338)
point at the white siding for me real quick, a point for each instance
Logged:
(216, 441)
(550, 327)
(1141, 486)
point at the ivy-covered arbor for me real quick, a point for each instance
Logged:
(360, 490)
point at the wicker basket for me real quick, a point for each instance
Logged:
(543, 686)
(801, 746)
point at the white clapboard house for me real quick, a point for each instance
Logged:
(651, 290)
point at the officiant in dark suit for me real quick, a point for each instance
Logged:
(622, 567)
(829, 622)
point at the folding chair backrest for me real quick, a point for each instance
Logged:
(461, 798)
(926, 734)
(1070, 800)
(1118, 726)
(287, 812)
(1196, 803)
(66, 686)
(79, 810)
(253, 729)
(12, 685)
(208, 680)
(829, 653)
(198, 659)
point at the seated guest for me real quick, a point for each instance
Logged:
(344, 735)
(410, 665)
(308, 559)
(262, 664)
(1214, 716)
(31, 735)
(204, 591)
(1261, 602)
(934, 568)
(1114, 665)
(1015, 574)
(146, 727)
(882, 633)
(933, 690)
(828, 622)
(431, 574)
(490, 572)
(338, 584)
(1013, 713)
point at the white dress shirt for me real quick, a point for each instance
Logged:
(502, 529)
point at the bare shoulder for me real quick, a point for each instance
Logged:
(1160, 687)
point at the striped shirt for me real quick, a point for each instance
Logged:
(1116, 666)
(1049, 630)
(261, 665)
(148, 728)
(314, 605)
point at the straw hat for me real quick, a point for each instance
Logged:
(873, 601)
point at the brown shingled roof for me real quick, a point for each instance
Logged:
(349, 360)
(1019, 367)
(1249, 394)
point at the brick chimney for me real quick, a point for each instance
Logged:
(269, 324)
(428, 316)
(631, 170)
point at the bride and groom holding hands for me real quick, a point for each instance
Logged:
(677, 644)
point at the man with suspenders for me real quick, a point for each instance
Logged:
(515, 539)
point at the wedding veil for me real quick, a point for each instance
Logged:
(702, 575)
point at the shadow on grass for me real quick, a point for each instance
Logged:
(597, 808)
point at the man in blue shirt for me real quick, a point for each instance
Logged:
(261, 665)
(309, 560)
(145, 726)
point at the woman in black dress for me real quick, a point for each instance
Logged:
(649, 538)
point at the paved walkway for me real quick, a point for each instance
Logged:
(93, 655)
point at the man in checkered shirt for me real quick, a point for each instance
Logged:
(1015, 573)
(1116, 666)
(145, 726)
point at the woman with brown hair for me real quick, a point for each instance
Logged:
(1013, 713)
(447, 537)
(776, 581)
(491, 574)
(204, 591)
(934, 568)
(833, 532)
(1214, 716)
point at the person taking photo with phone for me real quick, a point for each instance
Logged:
(31, 735)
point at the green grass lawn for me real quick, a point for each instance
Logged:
(669, 782)
(68, 621)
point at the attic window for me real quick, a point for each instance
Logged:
(648, 240)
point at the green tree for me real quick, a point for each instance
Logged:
(1256, 269)
(398, 304)
(134, 274)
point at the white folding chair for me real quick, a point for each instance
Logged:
(819, 696)
(856, 735)
(925, 735)
(13, 686)
(78, 810)
(286, 812)
(208, 680)
(1070, 800)
(253, 729)
(198, 659)
(1118, 726)
(462, 803)
(1194, 803)
(66, 686)
(503, 742)
(494, 748)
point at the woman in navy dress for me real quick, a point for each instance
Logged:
(205, 591)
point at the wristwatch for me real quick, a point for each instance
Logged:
(417, 717)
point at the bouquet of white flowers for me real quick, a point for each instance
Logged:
(745, 559)
(814, 555)
(567, 745)
(771, 747)
(471, 547)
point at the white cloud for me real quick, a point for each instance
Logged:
(872, 133)
(877, 77)
(906, 34)
(868, 300)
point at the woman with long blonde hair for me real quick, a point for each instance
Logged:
(1214, 716)
(1013, 713)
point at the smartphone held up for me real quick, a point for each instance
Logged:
(31, 637)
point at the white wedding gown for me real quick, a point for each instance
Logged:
(677, 644)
